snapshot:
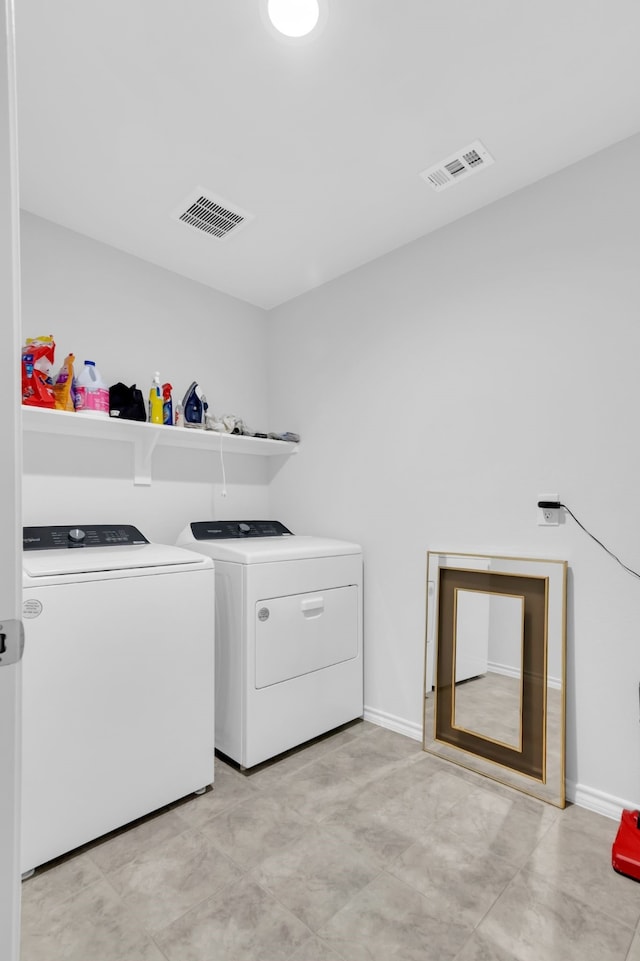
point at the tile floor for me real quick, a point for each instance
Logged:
(357, 847)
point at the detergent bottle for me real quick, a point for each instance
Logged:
(91, 392)
(167, 406)
(155, 400)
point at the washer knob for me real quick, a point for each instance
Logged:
(244, 528)
(76, 534)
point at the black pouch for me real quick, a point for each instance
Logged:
(127, 403)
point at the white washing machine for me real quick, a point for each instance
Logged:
(118, 682)
(288, 635)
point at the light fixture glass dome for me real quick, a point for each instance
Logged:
(293, 18)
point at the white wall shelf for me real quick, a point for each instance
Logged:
(146, 437)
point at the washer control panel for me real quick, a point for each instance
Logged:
(217, 530)
(85, 535)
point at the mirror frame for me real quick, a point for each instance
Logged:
(537, 768)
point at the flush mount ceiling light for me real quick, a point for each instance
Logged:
(294, 18)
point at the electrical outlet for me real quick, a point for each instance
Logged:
(548, 516)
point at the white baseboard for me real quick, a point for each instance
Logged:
(579, 794)
(393, 723)
(504, 669)
(598, 801)
(494, 668)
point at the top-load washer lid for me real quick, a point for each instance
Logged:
(258, 542)
(56, 550)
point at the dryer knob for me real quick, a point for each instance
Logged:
(244, 528)
(76, 534)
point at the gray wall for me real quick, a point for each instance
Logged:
(441, 389)
(133, 318)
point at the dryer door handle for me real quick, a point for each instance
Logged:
(312, 606)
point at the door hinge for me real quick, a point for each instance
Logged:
(11, 642)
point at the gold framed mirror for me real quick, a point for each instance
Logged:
(495, 668)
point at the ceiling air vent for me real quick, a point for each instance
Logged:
(458, 167)
(211, 215)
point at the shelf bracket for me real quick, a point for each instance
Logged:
(143, 448)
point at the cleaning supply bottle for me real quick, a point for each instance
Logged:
(91, 392)
(167, 406)
(155, 401)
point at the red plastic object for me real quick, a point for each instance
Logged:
(625, 853)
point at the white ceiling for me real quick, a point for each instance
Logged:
(126, 106)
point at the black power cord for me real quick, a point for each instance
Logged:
(556, 505)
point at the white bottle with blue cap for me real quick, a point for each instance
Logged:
(91, 392)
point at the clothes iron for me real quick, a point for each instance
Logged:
(195, 406)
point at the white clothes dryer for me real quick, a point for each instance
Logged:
(118, 682)
(288, 635)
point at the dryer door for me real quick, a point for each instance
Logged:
(302, 633)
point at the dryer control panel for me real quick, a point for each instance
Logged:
(217, 530)
(95, 535)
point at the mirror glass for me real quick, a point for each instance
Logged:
(495, 668)
(488, 647)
